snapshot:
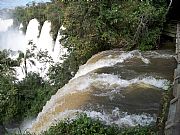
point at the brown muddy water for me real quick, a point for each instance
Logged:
(117, 87)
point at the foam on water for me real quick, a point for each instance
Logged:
(114, 82)
(88, 83)
(102, 81)
(121, 119)
(109, 61)
(85, 81)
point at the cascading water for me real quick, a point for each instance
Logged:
(117, 87)
(13, 40)
(10, 38)
(5, 24)
(16, 40)
(43, 45)
(122, 88)
(32, 32)
(45, 41)
(59, 50)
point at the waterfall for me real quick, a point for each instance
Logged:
(59, 50)
(5, 24)
(45, 41)
(109, 61)
(117, 87)
(10, 38)
(45, 46)
(20, 28)
(16, 40)
(32, 32)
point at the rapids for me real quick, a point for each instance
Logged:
(117, 87)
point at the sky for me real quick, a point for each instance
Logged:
(14, 3)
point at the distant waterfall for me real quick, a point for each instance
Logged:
(45, 41)
(5, 24)
(59, 50)
(32, 32)
(16, 40)
(117, 87)
(10, 38)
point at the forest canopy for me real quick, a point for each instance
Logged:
(91, 26)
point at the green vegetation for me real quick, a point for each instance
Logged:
(101, 24)
(91, 27)
(163, 113)
(20, 99)
(33, 94)
(42, 12)
(86, 126)
(94, 26)
(8, 100)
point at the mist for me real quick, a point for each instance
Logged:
(11, 38)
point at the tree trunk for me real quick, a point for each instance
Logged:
(25, 66)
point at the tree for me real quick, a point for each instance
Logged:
(8, 91)
(27, 57)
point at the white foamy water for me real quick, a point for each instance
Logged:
(16, 40)
(121, 119)
(114, 82)
(45, 41)
(44, 46)
(102, 81)
(89, 83)
(5, 24)
(13, 40)
(71, 98)
(31, 35)
(109, 61)
(10, 38)
(59, 50)
(32, 32)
